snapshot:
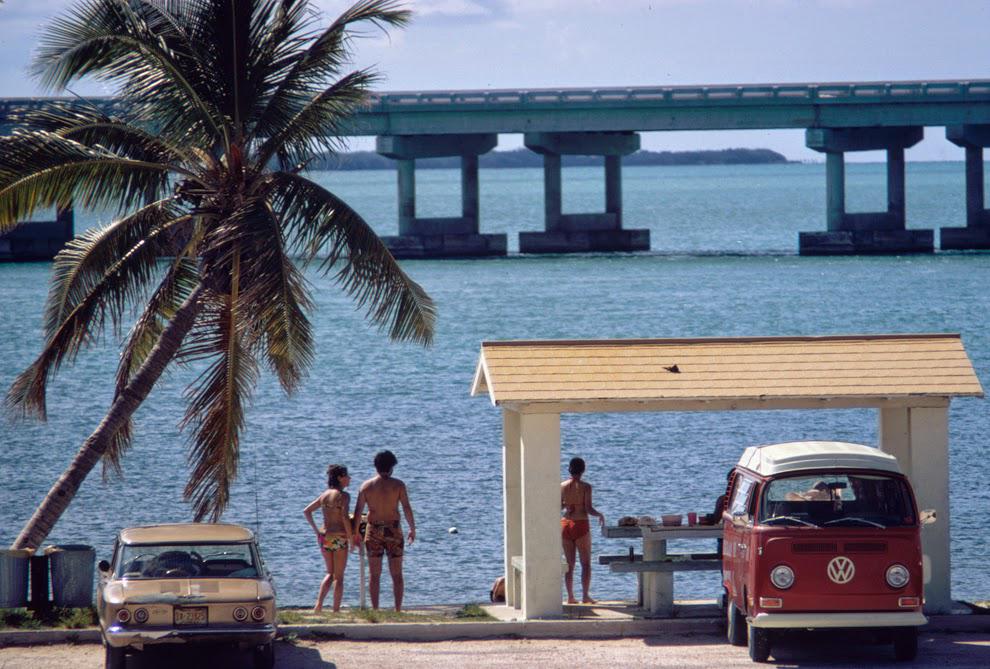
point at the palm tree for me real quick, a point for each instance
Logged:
(221, 105)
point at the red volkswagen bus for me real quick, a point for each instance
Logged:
(821, 534)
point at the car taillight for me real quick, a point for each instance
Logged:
(258, 613)
(141, 616)
(240, 614)
(897, 576)
(123, 616)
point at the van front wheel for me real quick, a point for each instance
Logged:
(906, 644)
(759, 644)
(735, 625)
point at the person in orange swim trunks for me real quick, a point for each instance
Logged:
(575, 500)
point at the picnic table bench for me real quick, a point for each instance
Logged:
(655, 567)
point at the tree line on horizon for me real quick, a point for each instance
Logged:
(369, 160)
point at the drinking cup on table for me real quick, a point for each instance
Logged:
(692, 518)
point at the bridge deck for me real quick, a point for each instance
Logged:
(706, 107)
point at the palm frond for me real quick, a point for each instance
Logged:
(135, 47)
(80, 302)
(217, 401)
(178, 284)
(279, 300)
(316, 127)
(318, 221)
(88, 260)
(322, 61)
(90, 125)
(41, 170)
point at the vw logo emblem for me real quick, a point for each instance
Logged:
(841, 570)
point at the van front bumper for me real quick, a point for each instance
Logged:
(821, 620)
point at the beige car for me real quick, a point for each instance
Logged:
(186, 583)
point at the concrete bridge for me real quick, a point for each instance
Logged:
(837, 117)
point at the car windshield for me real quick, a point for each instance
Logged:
(837, 500)
(227, 560)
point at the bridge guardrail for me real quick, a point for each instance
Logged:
(785, 93)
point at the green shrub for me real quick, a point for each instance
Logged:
(472, 612)
(18, 619)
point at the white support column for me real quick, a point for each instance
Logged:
(511, 500)
(919, 439)
(930, 476)
(541, 544)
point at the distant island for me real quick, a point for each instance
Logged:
(369, 160)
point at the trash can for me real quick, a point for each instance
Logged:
(72, 569)
(14, 566)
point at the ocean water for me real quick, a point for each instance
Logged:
(723, 264)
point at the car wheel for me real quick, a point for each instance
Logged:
(735, 625)
(114, 658)
(264, 656)
(759, 644)
(906, 644)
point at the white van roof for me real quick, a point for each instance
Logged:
(773, 459)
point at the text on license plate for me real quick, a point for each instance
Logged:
(190, 616)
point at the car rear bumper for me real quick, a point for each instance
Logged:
(124, 637)
(821, 620)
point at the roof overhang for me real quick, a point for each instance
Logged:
(725, 374)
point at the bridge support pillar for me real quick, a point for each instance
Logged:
(39, 240)
(864, 233)
(571, 233)
(445, 237)
(976, 234)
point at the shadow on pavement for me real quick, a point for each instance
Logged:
(843, 648)
(202, 657)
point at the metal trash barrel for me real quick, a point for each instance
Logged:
(72, 569)
(14, 566)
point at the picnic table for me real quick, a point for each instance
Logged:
(655, 566)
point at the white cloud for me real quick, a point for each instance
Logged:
(471, 8)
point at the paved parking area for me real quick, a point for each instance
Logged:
(964, 650)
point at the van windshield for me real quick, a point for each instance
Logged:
(837, 500)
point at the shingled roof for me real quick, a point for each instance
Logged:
(730, 373)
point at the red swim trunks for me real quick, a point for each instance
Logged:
(572, 530)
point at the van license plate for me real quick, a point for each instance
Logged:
(190, 616)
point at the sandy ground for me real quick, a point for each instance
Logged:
(959, 651)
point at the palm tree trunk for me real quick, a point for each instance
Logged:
(61, 494)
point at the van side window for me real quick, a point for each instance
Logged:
(739, 505)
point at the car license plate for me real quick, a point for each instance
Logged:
(190, 616)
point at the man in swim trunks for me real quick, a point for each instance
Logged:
(383, 536)
(575, 500)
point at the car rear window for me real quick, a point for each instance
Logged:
(187, 561)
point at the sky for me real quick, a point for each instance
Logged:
(484, 44)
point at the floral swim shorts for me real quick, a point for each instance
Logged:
(334, 542)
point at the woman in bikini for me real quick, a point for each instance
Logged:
(337, 534)
(575, 500)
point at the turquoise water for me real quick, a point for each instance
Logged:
(723, 265)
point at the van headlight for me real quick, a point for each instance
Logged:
(782, 576)
(897, 576)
